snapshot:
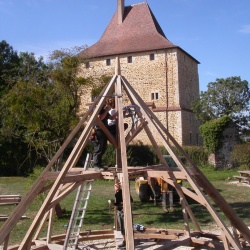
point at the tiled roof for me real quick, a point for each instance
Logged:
(139, 31)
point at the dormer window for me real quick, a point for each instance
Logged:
(152, 57)
(130, 59)
(108, 62)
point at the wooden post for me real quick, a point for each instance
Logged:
(125, 186)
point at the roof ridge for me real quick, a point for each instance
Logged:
(138, 3)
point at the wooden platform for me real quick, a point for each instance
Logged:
(151, 238)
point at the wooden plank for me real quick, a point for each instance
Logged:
(125, 184)
(50, 224)
(44, 219)
(9, 199)
(166, 174)
(138, 235)
(200, 243)
(108, 134)
(84, 235)
(5, 217)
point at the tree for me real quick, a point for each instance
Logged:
(41, 108)
(20, 75)
(9, 63)
(65, 64)
(230, 97)
(32, 70)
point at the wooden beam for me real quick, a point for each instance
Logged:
(138, 235)
(125, 184)
(50, 224)
(107, 133)
(134, 132)
(45, 217)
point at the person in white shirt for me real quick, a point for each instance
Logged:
(113, 118)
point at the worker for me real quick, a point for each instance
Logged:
(112, 119)
(119, 208)
(99, 138)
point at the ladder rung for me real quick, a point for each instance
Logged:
(83, 199)
(81, 209)
(77, 226)
(73, 236)
(79, 218)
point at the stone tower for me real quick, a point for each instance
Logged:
(163, 74)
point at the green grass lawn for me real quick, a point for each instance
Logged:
(98, 215)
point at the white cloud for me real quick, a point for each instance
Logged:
(245, 29)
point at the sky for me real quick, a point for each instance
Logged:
(214, 32)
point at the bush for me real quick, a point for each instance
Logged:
(137, 155)
(198, 154)
(212, 132)
(143, 155)
(109, 158)
(241, 155)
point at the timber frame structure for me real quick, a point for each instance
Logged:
(60, 184)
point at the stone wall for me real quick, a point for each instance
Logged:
(170, 81)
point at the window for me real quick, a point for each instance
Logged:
(87, 65)
(190, 138)
(108, 62)
(129, 59)
(155, 96)
(151, 57)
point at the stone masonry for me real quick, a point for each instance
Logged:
(169, 82)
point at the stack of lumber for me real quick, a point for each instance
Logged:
(9, 199)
